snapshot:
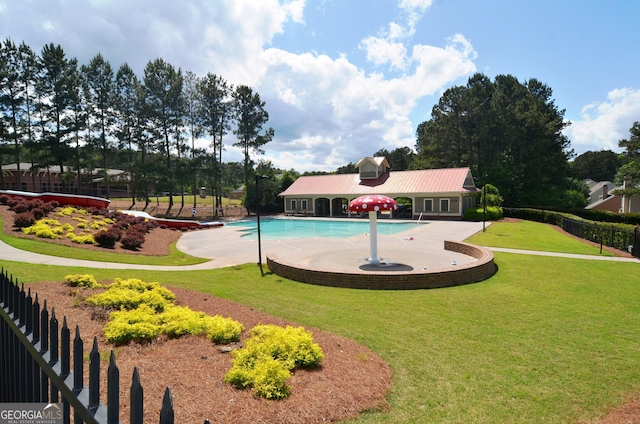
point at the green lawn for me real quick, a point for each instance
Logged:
(545, 340)
(529, 235)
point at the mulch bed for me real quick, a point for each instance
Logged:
(351, 379)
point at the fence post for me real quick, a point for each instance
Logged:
(113, 391)
(166, 412)
(136, 414)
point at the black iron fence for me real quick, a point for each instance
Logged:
(618, 236)
(35, 364)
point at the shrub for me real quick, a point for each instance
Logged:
(494, 213)
(223, 330)
(268, 356)
(131, 293)
(139, 325)
(38, 213)
(81, 238)
(25, 219)
(12, 201)
(45, 228)
(177, 321)
(107, 237)
(132, 240)
(21, 207)
(3, 199)
(122, 298)
(82, 280)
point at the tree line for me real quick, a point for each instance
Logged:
(58, 114)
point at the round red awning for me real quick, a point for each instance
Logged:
(375, 202)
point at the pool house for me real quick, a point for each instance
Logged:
(431, 193)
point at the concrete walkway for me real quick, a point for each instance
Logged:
(420, 247)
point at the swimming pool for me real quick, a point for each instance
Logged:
(291, 228)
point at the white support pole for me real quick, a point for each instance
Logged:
(373, 237)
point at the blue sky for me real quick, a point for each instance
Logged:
(344, 78)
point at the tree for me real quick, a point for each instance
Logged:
(400, 158)
(509, 133)
(250, 117)
(163, 88)
(127, 115)
(630, 171)
(101, 95)
(601, 165)
(12, 98)
(54, 87)
(215, 116)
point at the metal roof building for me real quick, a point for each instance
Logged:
(434, 193)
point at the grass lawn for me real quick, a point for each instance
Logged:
(529, 235)
(545, 340)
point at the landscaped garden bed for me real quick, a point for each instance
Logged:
(351, 378)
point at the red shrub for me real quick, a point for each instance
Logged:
(108, 238)
(24, 219)
(21, 207)
(38, 213)
(4, 199)
(132, 240)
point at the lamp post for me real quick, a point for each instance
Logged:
(258, 178)
(484, 206)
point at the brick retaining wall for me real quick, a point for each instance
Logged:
(480, 270)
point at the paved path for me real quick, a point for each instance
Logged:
(418, 247)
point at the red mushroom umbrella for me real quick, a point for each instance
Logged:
(373, 204)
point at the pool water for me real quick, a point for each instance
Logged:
(283, 229)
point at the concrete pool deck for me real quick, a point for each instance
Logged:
(420, 246)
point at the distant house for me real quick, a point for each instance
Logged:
(432, 193)
(601, 198)
(43, 179)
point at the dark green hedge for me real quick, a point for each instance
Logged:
(494, 213)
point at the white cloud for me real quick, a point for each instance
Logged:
(326, 111)
(334, 112)
(603, 124)
(381, 51)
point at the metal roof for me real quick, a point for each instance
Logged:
(449, 180)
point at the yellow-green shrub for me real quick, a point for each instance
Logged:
(98, 224)
(124, 298)
(177, 321)
(140, 325)
(268, 356)
(223, 330)
(70, 210)
(43, 230)
(293, 346)
(82, 280)
(81, 238)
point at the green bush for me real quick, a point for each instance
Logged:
(494, 213)
(268, 356)
(82, 280)
(223, 330)
(131, 293)
(178, 321)
(139, 325)
(81, 238)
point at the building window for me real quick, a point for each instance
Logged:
(428, 205)
(293, 205)
(303, 205)
(23, 186)
(444, 205)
